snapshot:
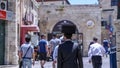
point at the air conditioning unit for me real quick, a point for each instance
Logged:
(3, 5)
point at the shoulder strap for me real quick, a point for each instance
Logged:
(27, 51)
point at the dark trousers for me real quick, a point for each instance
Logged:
(97, 61)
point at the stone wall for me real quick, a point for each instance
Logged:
(11, 56)
(79, 15)
(118, 43)
(11, 49)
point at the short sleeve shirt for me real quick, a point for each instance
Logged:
(24, 48)
(53, 44)
(42, 46)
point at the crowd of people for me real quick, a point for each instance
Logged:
(60, 52)
(44, 51)
(48, 50)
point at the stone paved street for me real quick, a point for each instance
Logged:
(89, 65)
(85, 60)
(49, 64)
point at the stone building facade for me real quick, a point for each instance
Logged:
(10, 28)
(53, 2)
(109, 14)
(8, 35)
(118, 43)
(28, 18)
(86, 18)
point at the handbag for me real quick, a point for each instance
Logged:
(21, 61)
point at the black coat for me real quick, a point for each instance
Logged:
(69, 56)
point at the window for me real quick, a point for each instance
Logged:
(103, 23)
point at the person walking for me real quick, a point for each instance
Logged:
(90, 44)
(26, 54)
(55, 52)
(106, 46)
(52, 44)
(95, 54)
(42, 50)
(69, 54)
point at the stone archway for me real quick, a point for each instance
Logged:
(58, 27)
(77, 37)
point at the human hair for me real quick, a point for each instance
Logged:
(42, 36)
(27, 39)
(68, 36)
(54, 35)
(95, 39)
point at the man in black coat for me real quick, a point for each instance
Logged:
(69, 54)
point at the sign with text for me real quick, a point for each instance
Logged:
(9, 16)
(2, 14)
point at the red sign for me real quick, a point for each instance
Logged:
(2, 14)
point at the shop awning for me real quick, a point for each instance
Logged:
(30, 28)
(24, 29)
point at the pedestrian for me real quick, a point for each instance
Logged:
(90, 44)
(42, 50)
(52, 44)
(106, 46)
(49, 53)
(27, 53)
(55, 52)
(36, 52)
(95, 54)
(69, 55)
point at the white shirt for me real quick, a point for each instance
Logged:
(58, 41)
(53, 44)
(55, 53)
(96, 49)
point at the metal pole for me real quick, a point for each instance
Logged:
(113, 63)
(42, 2)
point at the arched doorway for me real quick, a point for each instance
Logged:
(77, 37)
(58, 27)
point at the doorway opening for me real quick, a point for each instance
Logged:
(2, 41)
(57, 29)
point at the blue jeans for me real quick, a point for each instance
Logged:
(27, 63)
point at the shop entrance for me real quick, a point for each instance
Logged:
(2, 41)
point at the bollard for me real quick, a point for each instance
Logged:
(113, 62)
